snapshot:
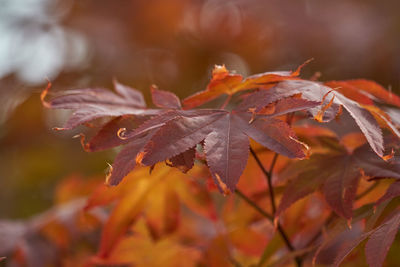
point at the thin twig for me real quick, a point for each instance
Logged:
(268, 175)
(367, 191)
(266, 215)
(254, 205)
(269, 179)
(235, 262)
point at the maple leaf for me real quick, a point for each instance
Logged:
(152, 198)
(126, 161)
(384, 120)
(183, 161)
(392, 192)
(365, 91)
(337, 174)
(314, 91)
(394, 115)
(379, 241)
(226, 138)
(164, 99)
(225, 82)
(38, 240)
(126, 212)
(142, 248)
(107, 136)
(171, 134)
(93, 103)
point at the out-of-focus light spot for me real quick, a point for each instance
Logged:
(34, 44)
(160, 66)
(215, 13)
(43, 58)
(11, 96)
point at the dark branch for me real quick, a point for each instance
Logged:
(268, 175)
(254, 205)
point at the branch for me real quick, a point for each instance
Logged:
(254, 205)
(268, 175)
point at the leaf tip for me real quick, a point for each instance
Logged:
(314, 259)
(349, 223)
(223, 187)
(115, 81)
(253, 114)
(44, 94)
(307, 150)
(85, 146)
(276, 223)
(151, 169)
(139, 157)
(219, 71)
(389, 156)
(109, 173)
(153, 87)
(364, 175)
(59, 128)
(320, 115)
(121, 133)
(297, 71)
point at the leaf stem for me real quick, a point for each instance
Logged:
(268, 175)
(254, 205)
(367, 191)
(235, 262)
(229, 97)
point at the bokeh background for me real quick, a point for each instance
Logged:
(174, 44)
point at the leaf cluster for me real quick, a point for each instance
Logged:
(276, 112)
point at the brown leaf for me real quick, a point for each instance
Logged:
(164, 99)
(90, 104)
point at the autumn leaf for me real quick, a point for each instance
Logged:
(337, 174)
(164, 99)
(222, 82)
(156, 198)
(126, 212)
(139, 250)
(365, 91)
(225, 82)
(169, 212)
(392, 192)
(173, 132)
(314, 91)
(107, 136)
(384, 120)
(225, 135)
(47, 234)
(379, 241)
(126, 160)
(93, 103)
(184, 161)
